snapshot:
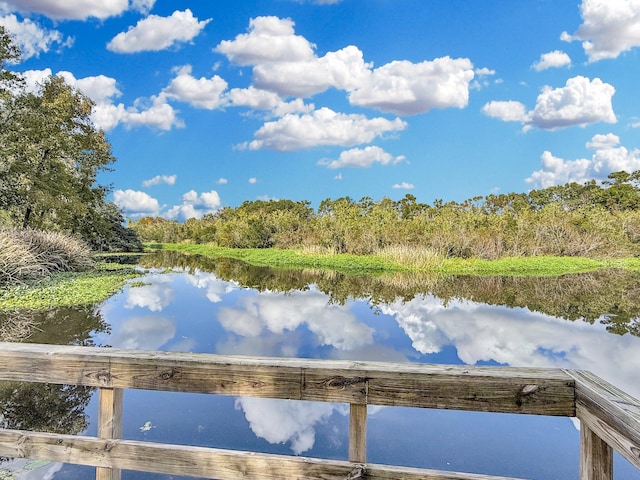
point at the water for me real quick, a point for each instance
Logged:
(584, 322)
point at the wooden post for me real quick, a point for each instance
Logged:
(109, 425)
(358, 433)
(596, 456)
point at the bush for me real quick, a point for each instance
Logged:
(27, 254)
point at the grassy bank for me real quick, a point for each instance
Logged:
(513, 266)
(67, 289)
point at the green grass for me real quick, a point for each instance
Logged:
(511, 266)
(67, 289)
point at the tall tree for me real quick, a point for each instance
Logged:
(52, 153)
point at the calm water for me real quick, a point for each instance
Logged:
(585, 322)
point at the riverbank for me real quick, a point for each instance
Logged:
(376, 264)
(67, 289)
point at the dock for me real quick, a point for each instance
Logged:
(609, 418)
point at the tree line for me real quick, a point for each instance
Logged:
(590, 219)
(50, 157)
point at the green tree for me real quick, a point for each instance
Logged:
(53, 153)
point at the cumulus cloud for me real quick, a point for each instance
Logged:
(609, 28)
(322, 127)
(406, 88)
(282, 421)
(75, 9)
(608, 157)
(580, 102)
(145, 333)
(259, 99)
(154, 112)
(362, 157)
(286, 63)
(270, 39)
(277, 313)
(200, 92)
(517, 337)
(31, 38)
(222, 181)
(158, 179)
(156, 33)
(195, 205)
(344, 69)
(404, 186)
(555, 59)
(508, 111)
(135, 203)
(155, 296)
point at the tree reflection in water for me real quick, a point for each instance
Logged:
(47, 407)
(610, 296)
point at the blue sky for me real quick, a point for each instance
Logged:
(211, 103)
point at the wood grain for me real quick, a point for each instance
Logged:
(486, 389)
(203, 462)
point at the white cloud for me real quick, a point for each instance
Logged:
(406, 88)
(222, 181)
(362, 157)
(609, 28)
(158, 179)
(73, 9)
(199, 92)
(281, 421)
(344, 69)
(195, 205)
(607, 158)
(154, 297)
(258, 99)
(277, 313)
(135, 203)
(484, 71)
(143, 6)
(322, 127)
(508, 111)
(517, 337)
(145, 333)
(404, 186)
(98, 88)
(286, 64)
(155, 112)
(31, 38)
(156, 33)
(580, 102)
(253, 180)
(555, 59)
(270, 39)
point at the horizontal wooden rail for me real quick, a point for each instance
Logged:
(486, 389)
(610, 418)
(202, 462)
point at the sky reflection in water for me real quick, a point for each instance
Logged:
(199, 312)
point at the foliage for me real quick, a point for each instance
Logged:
(66, 289)
(50, 157)
(577, 220)
(352, 264)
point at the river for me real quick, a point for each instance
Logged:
(190, 304)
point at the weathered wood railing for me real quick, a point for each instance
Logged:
(610, 419)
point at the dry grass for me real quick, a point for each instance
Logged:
(28, 254)
(416, 257)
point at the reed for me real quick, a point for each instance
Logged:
(29, 254)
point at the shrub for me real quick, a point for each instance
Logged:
(26, 254)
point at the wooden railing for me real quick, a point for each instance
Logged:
(610, 419)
